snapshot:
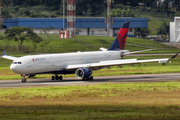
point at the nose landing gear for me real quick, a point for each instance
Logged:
(23, 78)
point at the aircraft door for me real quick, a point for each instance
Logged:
(52, 62)
(29, 63)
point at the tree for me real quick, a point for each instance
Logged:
(6, 41)
(144, 32)
(122, 13)
(19, 34)
(47, 30)
(34, 38)
(163, 29)
(96, 7)
(43, 44)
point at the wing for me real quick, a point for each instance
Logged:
(113, 63)
(8, 57)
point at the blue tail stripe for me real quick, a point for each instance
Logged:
(115, 45)
(126, 25)
(4, 53)
(123, 41)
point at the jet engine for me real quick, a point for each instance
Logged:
(83, 73)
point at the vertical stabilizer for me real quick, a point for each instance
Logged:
(120, 41)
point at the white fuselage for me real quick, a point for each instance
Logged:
(47, 63)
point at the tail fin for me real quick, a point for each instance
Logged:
(119, 42)
(4, 53)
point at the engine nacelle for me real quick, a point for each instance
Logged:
(82, 73)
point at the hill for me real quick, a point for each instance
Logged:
(85, 43)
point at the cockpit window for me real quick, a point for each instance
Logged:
(16, 63)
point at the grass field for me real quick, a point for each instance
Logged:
(155, 19)
(105, 101)
(85, 43)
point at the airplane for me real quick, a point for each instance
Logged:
(80, 63)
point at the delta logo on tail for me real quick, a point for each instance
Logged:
(120, 41)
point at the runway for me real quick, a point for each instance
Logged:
(97, 80)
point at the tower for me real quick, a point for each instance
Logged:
(71, 17)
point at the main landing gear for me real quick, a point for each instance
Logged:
(23, 78)
(88, 79)
(56, 77)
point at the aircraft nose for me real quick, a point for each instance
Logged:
(14, 68)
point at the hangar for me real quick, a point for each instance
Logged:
(84, 26)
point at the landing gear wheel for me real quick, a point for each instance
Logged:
(52, 77)
(91, 78)
(60, 77)
(23, 80)
(23, 77)
(56, 77)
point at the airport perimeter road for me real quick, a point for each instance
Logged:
(97, 80)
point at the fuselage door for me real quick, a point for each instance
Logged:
(52, 62)
(28, 63)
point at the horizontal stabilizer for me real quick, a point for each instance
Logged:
(4, 53)
(136, 52)
(103, 49)
(8, 57)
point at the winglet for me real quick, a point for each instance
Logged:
(174, 56)
(4, 53)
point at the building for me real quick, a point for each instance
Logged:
(84, 26)
(175, 30)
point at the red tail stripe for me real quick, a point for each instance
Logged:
(122, 32)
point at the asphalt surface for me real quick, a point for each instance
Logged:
(97, 80)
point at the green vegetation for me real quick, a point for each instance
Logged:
(127, 101)
(83, 43)
(122, 13)
(20, 34)
(155, 23)
(156, 19)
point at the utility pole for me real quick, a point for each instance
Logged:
(108, 16)
(63, 14)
